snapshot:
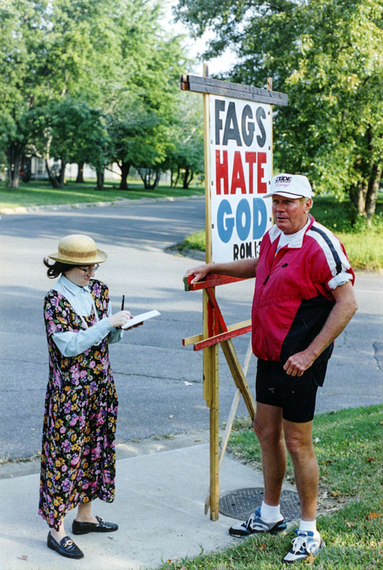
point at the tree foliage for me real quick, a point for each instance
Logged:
(327, 55)
(71, 69)
(186, 159)
(143, 105)
(67, 130)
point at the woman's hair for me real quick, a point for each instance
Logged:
(55, 269)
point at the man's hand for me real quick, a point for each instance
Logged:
(298, 363)
(242, 268)
(199, 272)
(342, 312)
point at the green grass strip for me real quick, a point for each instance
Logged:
(42, 194)
(348, 445)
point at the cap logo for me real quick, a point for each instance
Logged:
(283, 179)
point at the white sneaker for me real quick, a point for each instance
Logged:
(255, 524)
(304, 544)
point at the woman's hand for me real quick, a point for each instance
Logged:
(120, 319)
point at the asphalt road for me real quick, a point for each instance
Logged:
(159, 382)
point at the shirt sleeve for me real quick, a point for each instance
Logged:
(72, 343)
(330, 262)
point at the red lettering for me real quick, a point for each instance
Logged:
(261, 186)
(251, 159)
(238, 178)
(221, 172)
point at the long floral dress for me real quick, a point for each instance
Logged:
(78, 450)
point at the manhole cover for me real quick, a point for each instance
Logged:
(241, 503)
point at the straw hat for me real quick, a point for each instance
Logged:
(77, 249)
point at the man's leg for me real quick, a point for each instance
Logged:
(268, 518)
(299, 443)
(268, 426)
(308, 541)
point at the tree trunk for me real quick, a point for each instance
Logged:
(364, 195)
(51, 176)
(14, 156)
(56, 181)
(188, 177)
(149, 177)
(124, 167)
(80, 173)
(358, 195)
(372, 193)
(62, 173)
(177, 178)
(100, 179)
(151, 180)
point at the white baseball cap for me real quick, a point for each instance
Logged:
(290, 186)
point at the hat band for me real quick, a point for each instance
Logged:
(77, 254)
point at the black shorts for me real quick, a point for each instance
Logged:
(296, 395)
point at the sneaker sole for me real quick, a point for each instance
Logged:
(274, 530)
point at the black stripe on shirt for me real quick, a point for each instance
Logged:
(335, 255)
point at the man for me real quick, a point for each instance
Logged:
(303, 300)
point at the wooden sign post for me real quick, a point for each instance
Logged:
(238, 170)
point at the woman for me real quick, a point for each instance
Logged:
(78, 453)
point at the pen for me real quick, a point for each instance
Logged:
(122, 302)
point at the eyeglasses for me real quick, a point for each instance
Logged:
(89, 270)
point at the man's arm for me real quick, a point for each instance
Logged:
(341, 314)
(243, 269)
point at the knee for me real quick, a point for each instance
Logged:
(298, 447)
(267, 433)
(293, 444)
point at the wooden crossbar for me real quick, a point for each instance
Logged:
(219, 338)
(227, 89)
(211, 280)
(242, 326)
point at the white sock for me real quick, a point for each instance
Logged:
(309, 526)
(270, 514)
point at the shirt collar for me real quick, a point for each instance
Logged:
(72, 287)
(297, 239)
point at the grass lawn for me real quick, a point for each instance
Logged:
(348, 445)
(41, 193)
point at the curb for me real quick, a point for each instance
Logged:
(125, 450)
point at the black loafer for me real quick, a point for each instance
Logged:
(101, 526)
(66, 547)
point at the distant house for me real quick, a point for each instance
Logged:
(33, 168)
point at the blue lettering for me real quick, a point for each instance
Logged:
(225, 221)
(259, 217)
(243, 219)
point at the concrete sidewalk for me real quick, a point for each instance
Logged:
(161, 488)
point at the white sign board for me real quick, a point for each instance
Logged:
(241, 171)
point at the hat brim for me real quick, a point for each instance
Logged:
(99, 258)
(284, 194)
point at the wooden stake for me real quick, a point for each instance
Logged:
(231, 418)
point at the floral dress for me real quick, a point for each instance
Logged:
(78, 449)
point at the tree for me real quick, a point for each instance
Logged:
(20, 24)
(111, 55)
(50, 50)
(68, 131)
(186, 159)
(327, 55)
(143, 105)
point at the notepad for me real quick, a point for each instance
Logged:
(138, 319)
